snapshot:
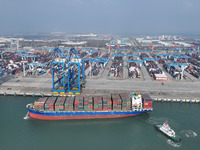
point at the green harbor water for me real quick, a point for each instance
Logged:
(133, 133)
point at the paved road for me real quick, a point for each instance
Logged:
(106, 70)
(144, 85)
(145, 73)
(125, 68)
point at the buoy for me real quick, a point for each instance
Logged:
(153, 100)
(42, 95)
(24, 94)
(181, 101)
(14, 94)
(162, 100)
(190, 101)
(4, 93)
(52, 95)
(171, 100)
(33, 95)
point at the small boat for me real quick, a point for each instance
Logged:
(164, 128)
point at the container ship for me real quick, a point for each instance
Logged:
(90, 107)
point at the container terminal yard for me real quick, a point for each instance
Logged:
(165, 67)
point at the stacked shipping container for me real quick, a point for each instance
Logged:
(50, 103)
(78, 103)
(126, 101)
(107, 103)
(147, 101)
(88, 103)
(69, 104)
(98, 104)
(40, 103)
(116, 69)
(59, 105)
(117, 102)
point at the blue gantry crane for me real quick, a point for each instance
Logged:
(67, 72)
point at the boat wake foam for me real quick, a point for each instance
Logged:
(189, 133)
(172, 143)
(154, 120)
(26, 117)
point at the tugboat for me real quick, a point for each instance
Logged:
(168, 131)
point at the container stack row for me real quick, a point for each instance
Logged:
(174, 72)
(95, 70)
(88, 103)
(147, 101)
(98, 104)
(39, 104)
(69, 104)
(133, 70)
(95, 54)
(59, 105)
(78, 103)
(107, 103)
(50, 103)
(193, 70)
(126, 101)
(116, 70)
(117, 102)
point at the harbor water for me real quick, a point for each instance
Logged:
(133, 133)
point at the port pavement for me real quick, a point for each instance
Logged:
(43, 85)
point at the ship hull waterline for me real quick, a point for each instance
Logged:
(82, 115)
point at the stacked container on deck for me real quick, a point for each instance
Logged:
(88, 103)
(107, 103)
(147, 101)
(41, 103)
(126, 101)
(69, 103)
(98, 104)
(117, 102)
(50, 103)
(78, 103)
(59, 105)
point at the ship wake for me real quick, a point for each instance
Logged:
(189, 133)
(172, 143)
(27, 116)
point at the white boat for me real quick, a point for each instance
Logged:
(165, 128)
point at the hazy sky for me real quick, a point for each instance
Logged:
(100, 16)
